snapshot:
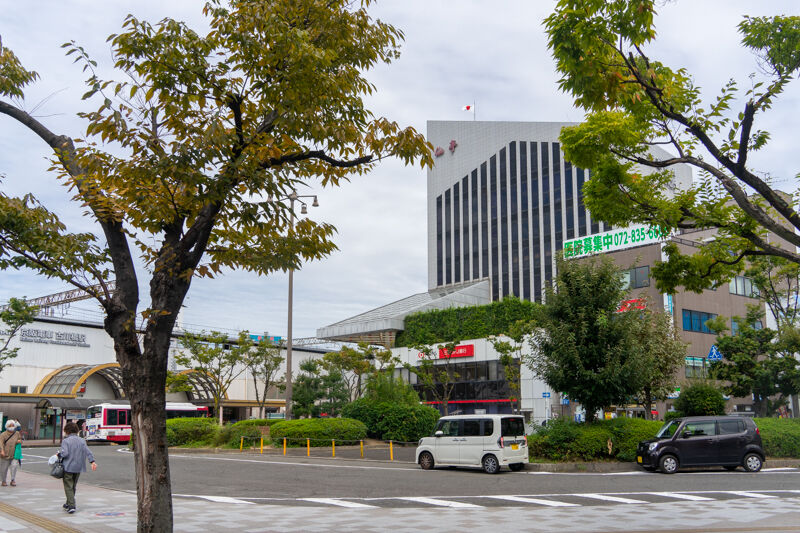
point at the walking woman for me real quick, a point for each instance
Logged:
(74, 453)
(8, 447)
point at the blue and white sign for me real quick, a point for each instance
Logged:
(713, 354)
(564, 401)
(545, 395)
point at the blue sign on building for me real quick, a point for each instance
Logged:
(545, 395)
(714, 354)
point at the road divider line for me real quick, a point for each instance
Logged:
(681, 496)
(441, 503)
(548, 503)
(339, 503)
(607, 498)
(218, 499)
(749, 494)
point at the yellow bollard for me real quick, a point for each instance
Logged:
(262, 445)
(284, 445)
(362, 449)
(333, 448)
(241, 444)
(391, 451)
(308, 447)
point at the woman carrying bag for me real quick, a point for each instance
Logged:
(8, 444)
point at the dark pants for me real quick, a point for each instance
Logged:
(70, 481)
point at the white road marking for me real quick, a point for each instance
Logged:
(441, 503)
(340, 503)
(608, 498)
(219, 499)
(537, 501)
(681, 496)
(749, 494)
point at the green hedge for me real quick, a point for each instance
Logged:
(231, 435)
(460, 323)
(564, 440)
(320, 430)
(780, 436)
(191, 431)
(388, 421)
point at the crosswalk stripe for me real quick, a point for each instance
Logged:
(549, 503)
(681, 496)
(607, 498)
(339, 503)
(749, 494)
(441, 503)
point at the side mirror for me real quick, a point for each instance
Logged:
(686, 434)
(438, 433)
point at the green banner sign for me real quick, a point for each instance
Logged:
(616, 239)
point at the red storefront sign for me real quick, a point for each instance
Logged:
(465, 350)
(636, 303)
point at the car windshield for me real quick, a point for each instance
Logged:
(668, 429)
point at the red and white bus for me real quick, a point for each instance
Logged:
(112, 421)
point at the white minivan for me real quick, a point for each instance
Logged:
(486, 441)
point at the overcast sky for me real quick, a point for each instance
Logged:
(491, 52)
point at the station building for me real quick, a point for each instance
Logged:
(67, 363)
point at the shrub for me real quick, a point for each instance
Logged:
(320, 430)
(390, 421)
(628, 432)
(184, 431)
(700, 399)
(671, 415)
(230, 436)
(780, 436)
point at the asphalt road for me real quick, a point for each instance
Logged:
(278, 479)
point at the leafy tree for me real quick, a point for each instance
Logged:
(757, 362)
(436, 372)
(319, 391)
(700, 399)
(216, 356)
(384, 386)
(179, 161)
(13, 316)
(511, 357)
(355, 364)
(777, 281)
(661, 354)
(634, 102)
(584, 347)
(263, 360)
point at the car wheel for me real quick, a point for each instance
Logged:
(516, 467)
(752, 462)
(669, 464)
(490, 464)
(426, 461)
(730, 468)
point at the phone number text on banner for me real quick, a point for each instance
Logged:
(614, 240)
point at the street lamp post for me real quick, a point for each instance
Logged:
(292, 197)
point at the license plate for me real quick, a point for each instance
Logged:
(515, 446)
(639, 459)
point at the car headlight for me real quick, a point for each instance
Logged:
(653, 446)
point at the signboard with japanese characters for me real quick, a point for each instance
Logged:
(611, 241)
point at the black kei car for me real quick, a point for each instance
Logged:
(728, 441)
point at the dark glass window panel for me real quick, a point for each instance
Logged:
(581, 207)
(515, 271)
(504, 220)
(456, 233)
(696, 321)
(556, 173)
(465, 225)
(488, 427)
(484, 223)
(569, 197)
(472, 428)
(512, 427)
(439, 258)
(525, 237)
(475, 230)
(535, 233)
(494, 243)
(112, 417)
(448, 253)
(730, 427)
(547, 235)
